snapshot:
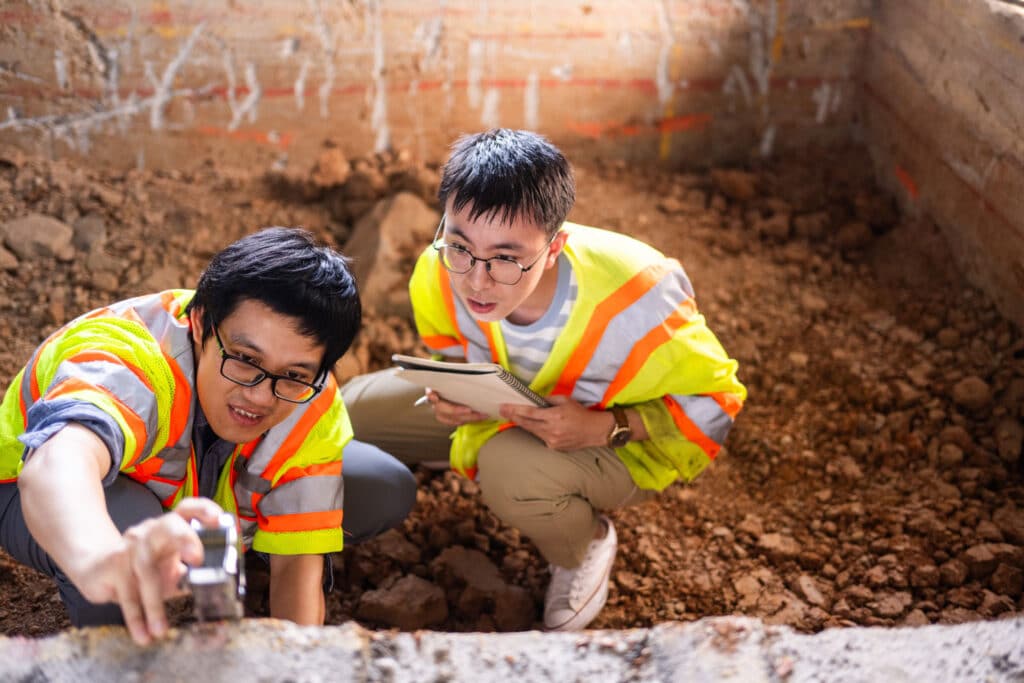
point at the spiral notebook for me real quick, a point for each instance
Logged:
(481, 386)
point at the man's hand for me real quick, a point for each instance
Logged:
(566, 426)
(146, 567)
(452, 414)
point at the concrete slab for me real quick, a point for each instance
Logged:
(714, 649)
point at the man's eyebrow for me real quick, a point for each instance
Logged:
(507, 246)
(245, 342)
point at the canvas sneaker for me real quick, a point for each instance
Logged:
(576, 596)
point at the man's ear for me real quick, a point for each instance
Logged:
(195, 318)
(555, 248)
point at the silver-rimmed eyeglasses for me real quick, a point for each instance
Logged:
(505, 270)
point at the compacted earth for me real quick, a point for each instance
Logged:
(873, 477)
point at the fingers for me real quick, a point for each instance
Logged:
(452, 414)
(131, 610)
(202, 509)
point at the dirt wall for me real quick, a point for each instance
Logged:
(944, 94)
(161, 84)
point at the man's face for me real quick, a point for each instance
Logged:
(265, 338)
(522, 240)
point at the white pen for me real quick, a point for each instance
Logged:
(422, 400)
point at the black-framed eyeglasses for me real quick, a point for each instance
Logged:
(504, 270)
(248, 374)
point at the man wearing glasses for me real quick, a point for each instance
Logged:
(194, 402)
(601, 324)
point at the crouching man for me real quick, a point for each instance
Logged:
(192, 402)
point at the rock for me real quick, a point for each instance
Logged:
(735, 184)
(1007, 580)
(950, 455)
(982, 559)
(916, 618)
(365, 182)
(8, 261)
(775, 227)
(165, 277)
(813, 303)
(891, 605)
(954, 572)
(906, 395)
(1009, 437)
(105, 281)
(38, 236)
(90, 233)
(813, 226)
(410, 604)
(925, 576)
(808, 589)
(948, 338)
(514, 609)
(751, 525)
(1010, 521)
(988, 531)
(470, 567)
(778, 546)
(383, 247)
(331, 168)
(845, 467)
(972, 393)
(393, 545)
(853, 236)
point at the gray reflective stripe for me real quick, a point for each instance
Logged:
(122, 383)
(627, 328)
(162, 490)
(477, 348)
(250, 481)
(705, 412)
(321, 493)
(175, 465)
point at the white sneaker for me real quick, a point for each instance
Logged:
(576, 596)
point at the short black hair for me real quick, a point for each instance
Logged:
(509, 173)
(288, 271)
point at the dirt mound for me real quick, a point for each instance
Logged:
(872, 478)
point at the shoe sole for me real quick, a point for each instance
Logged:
(579, 621)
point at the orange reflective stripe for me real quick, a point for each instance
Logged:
(8, 481)
(182, 402)
(645, 347)
(612, 305)
(448, 297)
(729, 403)
(440, 341)
(690, 430)
(291, 444)
(171, 304)
(135, 423)
(326, 469)
(486, 329)
(302, 521)
(31, 370)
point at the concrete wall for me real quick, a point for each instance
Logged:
(944, 95)
(165, 83)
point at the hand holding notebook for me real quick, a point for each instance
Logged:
(481, 386)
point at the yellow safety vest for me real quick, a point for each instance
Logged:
(633, 337)
(134, 361)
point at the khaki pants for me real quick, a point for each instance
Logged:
(550, 496)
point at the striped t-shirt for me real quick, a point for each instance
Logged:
(530, 345)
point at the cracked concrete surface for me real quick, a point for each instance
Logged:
(713, 649)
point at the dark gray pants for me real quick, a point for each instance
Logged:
(379, 493)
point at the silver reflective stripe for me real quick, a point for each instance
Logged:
(162, 490)
(627, 328)
(122, 383)
(250, 481)
(321, 493)
(175, 464)
(707, 415)
(248, 527)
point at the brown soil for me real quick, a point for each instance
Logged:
(871, 479)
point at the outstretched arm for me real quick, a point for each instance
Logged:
(65, 510)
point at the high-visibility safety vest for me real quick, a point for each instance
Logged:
(134, 361)
(634, 337)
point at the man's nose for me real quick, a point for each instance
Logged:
(261, 394)
(479, 278)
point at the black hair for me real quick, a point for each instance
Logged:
(509, 173)
(285, 269)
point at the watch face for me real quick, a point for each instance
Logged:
(619, 438)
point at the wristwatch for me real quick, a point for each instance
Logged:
(621, 432)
